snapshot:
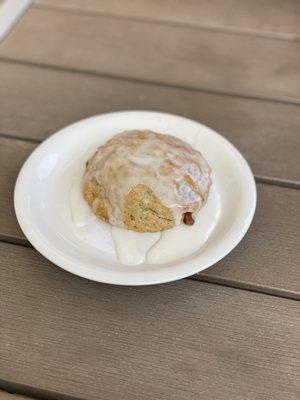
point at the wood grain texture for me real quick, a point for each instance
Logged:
(35, 102)
(177, 341)
(267, 259)
(165, 54)
(268, 17)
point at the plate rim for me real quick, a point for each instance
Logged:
(53, 255)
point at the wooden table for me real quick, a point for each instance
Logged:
(233, 331)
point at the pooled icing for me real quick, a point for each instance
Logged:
(178, 175)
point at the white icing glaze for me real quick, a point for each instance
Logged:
(131, 247)
(184, 240)
(177, 174)
(78, 205)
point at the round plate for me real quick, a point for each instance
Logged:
(43, 188)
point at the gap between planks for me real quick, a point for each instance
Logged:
(176, 24)
(16, 391)
(285, 100)
(207, 279)
(203, 54)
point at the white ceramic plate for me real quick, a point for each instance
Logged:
(43, 187)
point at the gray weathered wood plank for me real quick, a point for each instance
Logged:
(269, 17)
(185, 340)
(35, 102)
(267, 260)
(165, 54)
(13, 153)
